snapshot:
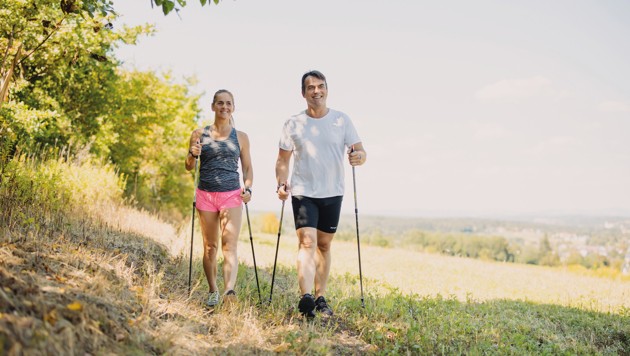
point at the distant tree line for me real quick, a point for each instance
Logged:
(463, 245)
(494, 248)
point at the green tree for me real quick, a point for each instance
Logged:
(170, 5)
(58, 69)
(28, 26)
(574, 258)
(67, 89)
(148, 139)
(547, 257)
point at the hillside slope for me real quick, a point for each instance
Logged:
(119, 285)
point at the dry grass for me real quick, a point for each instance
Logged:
(114, 280)
(81, 273)
(118, 285)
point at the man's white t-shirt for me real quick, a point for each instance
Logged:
(319, 151)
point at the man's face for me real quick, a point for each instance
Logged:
(315, 92)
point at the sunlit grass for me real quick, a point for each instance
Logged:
(432, 275)
(104, 278)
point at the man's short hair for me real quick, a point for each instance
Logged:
(313, 73)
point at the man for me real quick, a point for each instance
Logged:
(317, 139)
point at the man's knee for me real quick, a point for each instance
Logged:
(324, 241)
(307, 240)
(323, 247)
(307, 244)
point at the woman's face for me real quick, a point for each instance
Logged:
(223, 105)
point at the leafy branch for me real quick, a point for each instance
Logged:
(48, 35)
(169, 5)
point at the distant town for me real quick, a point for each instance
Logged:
(591, 242)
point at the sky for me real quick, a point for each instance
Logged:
(466, 108)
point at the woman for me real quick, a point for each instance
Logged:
(219, 194)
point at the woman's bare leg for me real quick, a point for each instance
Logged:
(209, 222)
(230, 229)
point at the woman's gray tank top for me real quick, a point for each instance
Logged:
(218, 171)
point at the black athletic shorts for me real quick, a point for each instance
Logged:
(320, 213)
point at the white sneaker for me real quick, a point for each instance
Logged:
(213, 299)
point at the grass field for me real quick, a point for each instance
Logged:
(430, 275)
(118, 285)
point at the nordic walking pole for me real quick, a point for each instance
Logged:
(356, 215)
(273, 275)
(192, 233)
(251, 240)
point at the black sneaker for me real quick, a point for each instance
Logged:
(306, 306)
(322, 307)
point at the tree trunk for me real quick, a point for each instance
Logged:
(6, 78)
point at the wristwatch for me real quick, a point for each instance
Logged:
(248, 189)
(192, 155)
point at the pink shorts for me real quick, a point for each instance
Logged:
(217, 201)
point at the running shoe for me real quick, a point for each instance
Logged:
(306, 306)
(213, 299)
(322, 307)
